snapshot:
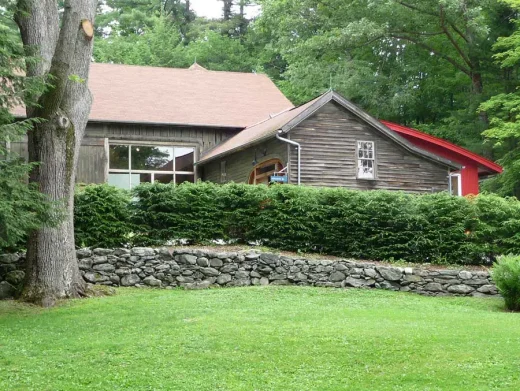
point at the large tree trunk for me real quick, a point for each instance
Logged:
(52, 267)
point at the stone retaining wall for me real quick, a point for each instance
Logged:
(196, 269)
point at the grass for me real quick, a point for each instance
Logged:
(269, 338)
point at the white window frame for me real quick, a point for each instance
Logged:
(359, 160)
(459, 183)
(152, 173)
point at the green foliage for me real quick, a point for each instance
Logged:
(506, 275)
(22, 207)
(379, 225)
(102, 216)
(167, 212)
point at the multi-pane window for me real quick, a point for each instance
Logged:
(131, 165)
(365, 160)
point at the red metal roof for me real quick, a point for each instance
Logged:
(452, 151)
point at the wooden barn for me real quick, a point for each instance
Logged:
(173, 125)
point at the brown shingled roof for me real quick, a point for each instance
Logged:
(195, 96)
(256, 133)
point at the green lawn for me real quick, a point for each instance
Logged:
(261, 339)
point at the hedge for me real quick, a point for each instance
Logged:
(102, 216)
(377, 225)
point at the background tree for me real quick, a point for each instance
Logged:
(64, 50)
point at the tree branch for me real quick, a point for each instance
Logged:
(415, 8)
(451, 60)
(452, 40)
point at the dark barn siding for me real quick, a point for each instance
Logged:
(93, 159)
(204, 137)
(240, 164)
(328, 157)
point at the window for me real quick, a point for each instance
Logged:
(263, 171)
(131, 165)
(365, 160)
(455, 185)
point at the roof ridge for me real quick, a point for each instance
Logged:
(270, 117)
(179, 69)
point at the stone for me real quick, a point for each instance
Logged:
(252, 256)
(104, 267)
(209, 271)
(7, 291)
(299, 277)
(488, 289)
(122, 271)
(6, 268)
(464, 275)
(188, 259)
(433, 287)
(372, 273)
(152, 281)
(115, 279)
(203, 262)
(15, 277)
(83, 253)
(449, 272)
(340, 267)
(460, 289)
(85, 264)
(268, 258)
(121, 251)
(264, 281)
(94, 277)
(337, 277)
(408, 270)
(99, 259)
(242, 274)
(390, 273)
(216, 262)
(103, 251)
(358, 282)
(223, 279)
(130, 280)
(412, 278)
(390, 285)
(229, 268)
(240, 282)
(254, 274)
(142, 251)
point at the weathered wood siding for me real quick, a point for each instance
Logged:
(204, 137)
(328, 157)
(240, 164)
(93, 158)
(92, 161)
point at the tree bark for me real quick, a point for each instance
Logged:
(52, 269)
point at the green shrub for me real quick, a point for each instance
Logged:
(102, 216)
(165, 212)
(506, 274)
(498, 228)
(377, 225)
